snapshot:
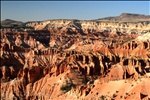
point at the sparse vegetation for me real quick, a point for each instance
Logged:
(127, 93)
(84, 81)
(114, 95)
(67, 87)
(102, 97)
(4, 80)
(97, 93)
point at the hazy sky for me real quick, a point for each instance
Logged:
(44, 10)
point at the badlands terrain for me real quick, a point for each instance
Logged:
(101, 59)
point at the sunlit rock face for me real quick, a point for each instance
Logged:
(74, 60)
(125, 23)
(61, 26)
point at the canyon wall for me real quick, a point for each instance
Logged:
(74, 59)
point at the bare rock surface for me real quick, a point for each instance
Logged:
(76, 60)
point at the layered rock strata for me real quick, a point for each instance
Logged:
(71, 59)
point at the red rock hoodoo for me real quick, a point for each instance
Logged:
(76, 60)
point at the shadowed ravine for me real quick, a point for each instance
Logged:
(75, 59)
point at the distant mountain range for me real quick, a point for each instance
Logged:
(11, 23)
(127, 17)
(124, 17)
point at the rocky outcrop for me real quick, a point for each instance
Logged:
(125, 23)
(128, 17)
(77, 26)
(76, 60)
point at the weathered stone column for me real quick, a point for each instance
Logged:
(88, 70)
(83, 59)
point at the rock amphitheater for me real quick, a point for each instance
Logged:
(102, 59)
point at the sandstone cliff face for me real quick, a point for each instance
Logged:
(92, 26)
(125, 23)
(75, 60)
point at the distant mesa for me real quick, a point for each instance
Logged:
(10, 23)
(124, 17)
(127, 17)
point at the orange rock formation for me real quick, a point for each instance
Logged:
(75, 60)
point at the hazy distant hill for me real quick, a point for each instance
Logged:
(124, 17)
(127, 17)
(10, 23)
